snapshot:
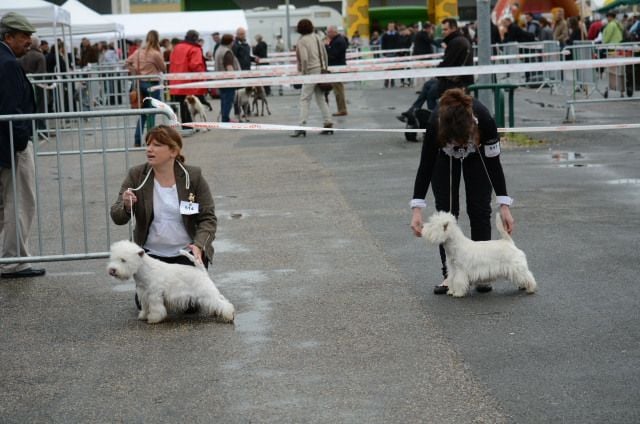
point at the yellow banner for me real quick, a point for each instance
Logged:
(358, 18)
(444, 9)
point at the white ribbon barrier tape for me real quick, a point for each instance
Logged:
(415, 73)
(276, 127)
(288, 57)
(274, 71)
(569, 128)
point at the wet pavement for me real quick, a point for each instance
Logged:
(336, 317)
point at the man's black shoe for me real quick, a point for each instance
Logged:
(25, 273)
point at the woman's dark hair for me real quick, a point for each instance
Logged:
(456, 122)
(226, 39)
(304, 27)
(168, 136)
(192, 36)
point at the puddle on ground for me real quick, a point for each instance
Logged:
(566, 156)
(625, 181)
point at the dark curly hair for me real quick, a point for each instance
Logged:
(456, 122)
(305, 27)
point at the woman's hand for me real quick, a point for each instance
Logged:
(129, 200)
(416, 222)
(507, 220)
(197, 253)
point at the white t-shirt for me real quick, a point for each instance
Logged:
(167, 234)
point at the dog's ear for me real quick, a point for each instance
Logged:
(445, 226)
(141, 252)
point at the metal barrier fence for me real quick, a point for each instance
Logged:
(72, 205)
(587, 82)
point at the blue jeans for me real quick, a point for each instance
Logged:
(429, 93)
(144, 92)
(226, 102)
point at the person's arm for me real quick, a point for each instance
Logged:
(158, 60)
(227, 61)
(10, 104)
(423, 176)
(303, 58)
(196, 61)
(121, 209)
(206, 220)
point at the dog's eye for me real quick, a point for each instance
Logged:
(122, 260)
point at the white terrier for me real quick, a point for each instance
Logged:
(477, 261)
(161, 286)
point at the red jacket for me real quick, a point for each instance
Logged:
(186, 57)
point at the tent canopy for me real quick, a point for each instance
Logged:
(87, 21)
(613, 4)
(40, 13)
(176, 24)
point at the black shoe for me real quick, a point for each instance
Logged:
(406, 117)
(484, 288)
(298, 133)
(440, 289)
(25, 273)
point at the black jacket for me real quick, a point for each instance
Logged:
(457, 53)
(423, 43)
(242, 50)
(337, 51)
(515, 34)
(16, 97)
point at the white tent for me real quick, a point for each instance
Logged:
(40, 13)
(87, 21)
(176, 24)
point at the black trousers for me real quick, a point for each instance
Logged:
(446, 189)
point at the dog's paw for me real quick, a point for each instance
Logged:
(453, 293)
(154, 318)
(142, 316)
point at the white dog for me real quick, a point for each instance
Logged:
(477, 261)
(161, 286)
(196, 109)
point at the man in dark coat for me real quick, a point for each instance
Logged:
(242, 50)
(34, 62)
(16, 148)
(458, 52)
(337, 53)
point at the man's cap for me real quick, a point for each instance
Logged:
(17, 22)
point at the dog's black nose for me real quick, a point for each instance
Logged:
(112, 272)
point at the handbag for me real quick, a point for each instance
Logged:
(134, 95)
(324, 86)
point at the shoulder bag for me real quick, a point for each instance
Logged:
(324, 86)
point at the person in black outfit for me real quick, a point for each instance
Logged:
(260, 50)
(458, 52)
(461, 139)
(390, 40)
(336, 45)
(242, 50)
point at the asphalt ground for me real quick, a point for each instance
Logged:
(336, 317)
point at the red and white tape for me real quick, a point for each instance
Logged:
(415, 73)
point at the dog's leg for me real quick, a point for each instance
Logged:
(215, 304)
(266, 103)
(157, 310)
(458, 284)
(525, 281)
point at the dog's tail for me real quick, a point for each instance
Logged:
(192, 258)
(501, 230)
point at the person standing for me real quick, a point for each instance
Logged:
(186, 56)
(17, 208)
(423, 44)
(612, 33)
(461, 140)
(311, 58)
(242, 50)
(34, 62)
(337, 45)
(147, 60)
(261, 51)
(226, 61)
(390, 40)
